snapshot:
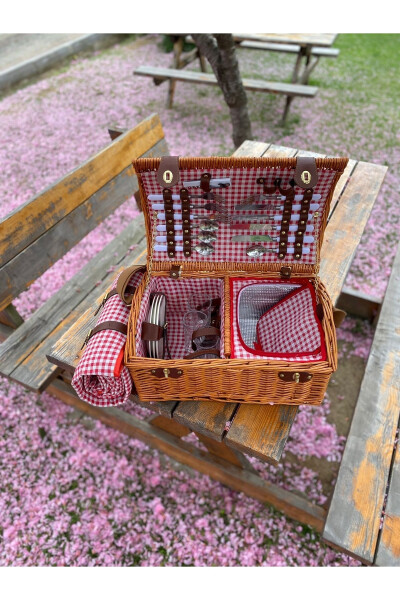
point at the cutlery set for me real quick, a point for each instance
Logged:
(180, 235)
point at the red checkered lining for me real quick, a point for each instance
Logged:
(100, 377)
(291, 326)
(243, 184)
(240, 350)
(177, 292)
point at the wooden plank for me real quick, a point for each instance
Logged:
(388, 554)
(252, 85)
(32, 219)
(35, 372)
(359, 304)
(17, 275)
(251, 148)
(206, 418)
(289, 48)
(260, 430)
(238, 479)
(210, 418)
(347, 224)
(10, 316)
(49, 316)
(302, 39)
(354, 515)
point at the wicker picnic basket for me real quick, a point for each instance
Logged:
(275, 287)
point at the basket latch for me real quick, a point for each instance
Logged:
(167, 373)
(297, 377)
(286, 272)
(175, 271)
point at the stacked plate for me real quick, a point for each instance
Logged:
(156, 316)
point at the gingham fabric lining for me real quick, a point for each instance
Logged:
(290, 326)
(177, 292)
(253, 301)
(238, 350)
(94, 380)
(243, 184)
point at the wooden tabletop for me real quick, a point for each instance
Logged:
(262, 430)
(301, 39)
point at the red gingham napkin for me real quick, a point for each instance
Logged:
(101, 378)
(290, 327)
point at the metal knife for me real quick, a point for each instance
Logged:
(308, 239)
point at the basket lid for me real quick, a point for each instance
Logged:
(236, 214)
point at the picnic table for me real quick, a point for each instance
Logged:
(228, 431)
(308, 47)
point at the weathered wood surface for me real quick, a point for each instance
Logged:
(302, 39)
(33, 261)
(354, 515)
(262, 431)
(235, 477)
(31, 220)
(207, 418)
(289, 48)
(57, 314)
(359, 304)
(345, 227)
(252, 85)
(388, 554)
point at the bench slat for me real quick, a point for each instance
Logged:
(30, 334)
(354, 515)
(302, 39)
(254, 85)
(35, 372)
(388, 554)
(289, 48)
(31, 220)
(18, 273)
(347, 224)
(270, 426)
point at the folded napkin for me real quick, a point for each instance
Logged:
(291, 327)
(101, 378)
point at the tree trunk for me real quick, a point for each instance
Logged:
(220, 51)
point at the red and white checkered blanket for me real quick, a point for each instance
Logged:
(101, 378)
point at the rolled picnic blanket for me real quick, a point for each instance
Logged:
(101, 378)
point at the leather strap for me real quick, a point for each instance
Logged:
(306, 173)
(301, 228)
(151, 332)
(187, 238)
(269, 189)
(286, 216)
(113, 325)
(169, 216)
(203, 331)
(202, 353)
(123, 281)
(205, 179)
(130, 290)
(168, 171)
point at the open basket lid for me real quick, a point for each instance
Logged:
(266, 212)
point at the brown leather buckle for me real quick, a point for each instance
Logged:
(205, 179)
(175, 271)
(165, 373)
(168, 171)
(306, 173)
(296, 376)
(286, 272)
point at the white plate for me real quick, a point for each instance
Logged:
(156, 316)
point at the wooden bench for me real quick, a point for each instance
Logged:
(40, 232)
(364, 513)
(289, 90)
